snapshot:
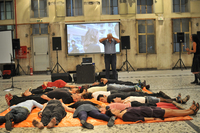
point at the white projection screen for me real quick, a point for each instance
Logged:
(83, 38)
(5, 47)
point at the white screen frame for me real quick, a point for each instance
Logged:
(6, 50)
(69, 38)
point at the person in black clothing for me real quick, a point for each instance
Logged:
(51, 114)
(111, 81)
(87, 108)
(43, 91)
(110, 54)
(38, 90)
(110, 84)
(144, 113)
(104, 81)
(123, 96)
(15, 99)
(196, 59)
(65, 95)
(49, 86)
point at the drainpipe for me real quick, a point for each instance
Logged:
(16, 19)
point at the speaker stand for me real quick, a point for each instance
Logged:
(12, 86)
(57, 64)
(126, 62)
(19, 66)
(179, 60)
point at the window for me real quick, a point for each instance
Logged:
(6, 9)
(110, 7)
(144, 6)
(38, 8)
(74, 7)
(146, 36)
(181, 25)
(40, 29)
(7, 27)
(180, 5)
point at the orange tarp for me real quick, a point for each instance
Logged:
(69, 121)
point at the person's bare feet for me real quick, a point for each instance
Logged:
(27, 93)
(105, 81)
(52, 123)
(10, 95)
(8, 98)
(27, 90)
(37, 124)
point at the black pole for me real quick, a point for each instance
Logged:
(57, 61)
(126, 63)
(57, 64)
(180, 60)
(18, 65)
(12, 86)
(180, 54)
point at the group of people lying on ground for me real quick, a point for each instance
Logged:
(127, 101)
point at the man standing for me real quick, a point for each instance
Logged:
(110, 54)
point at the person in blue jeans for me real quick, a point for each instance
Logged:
(19, 113)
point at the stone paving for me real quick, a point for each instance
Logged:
(171, 82)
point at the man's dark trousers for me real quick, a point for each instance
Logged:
(110, 59)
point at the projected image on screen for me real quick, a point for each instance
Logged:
(84, 38)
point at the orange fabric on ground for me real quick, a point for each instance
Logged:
(69, 121)
(144, 89)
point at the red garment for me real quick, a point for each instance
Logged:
(58, 83)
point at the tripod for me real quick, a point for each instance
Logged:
(57, 64)
(19, 66)
(12, 86)
(127, 63)
(179, 60)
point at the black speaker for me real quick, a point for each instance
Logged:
(6, 74)
(85, 73)
(103, 75)
(10, 67)
(64, 76)
(56, 43)
(125, 42)
(16, 43)
(180, 37)
(75, 77)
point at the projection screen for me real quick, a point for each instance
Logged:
(5, 47)
(83, 38)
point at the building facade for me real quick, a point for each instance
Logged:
(151, 24)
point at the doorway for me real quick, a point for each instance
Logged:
(40, 53)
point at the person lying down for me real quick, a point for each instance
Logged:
(144, 113)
